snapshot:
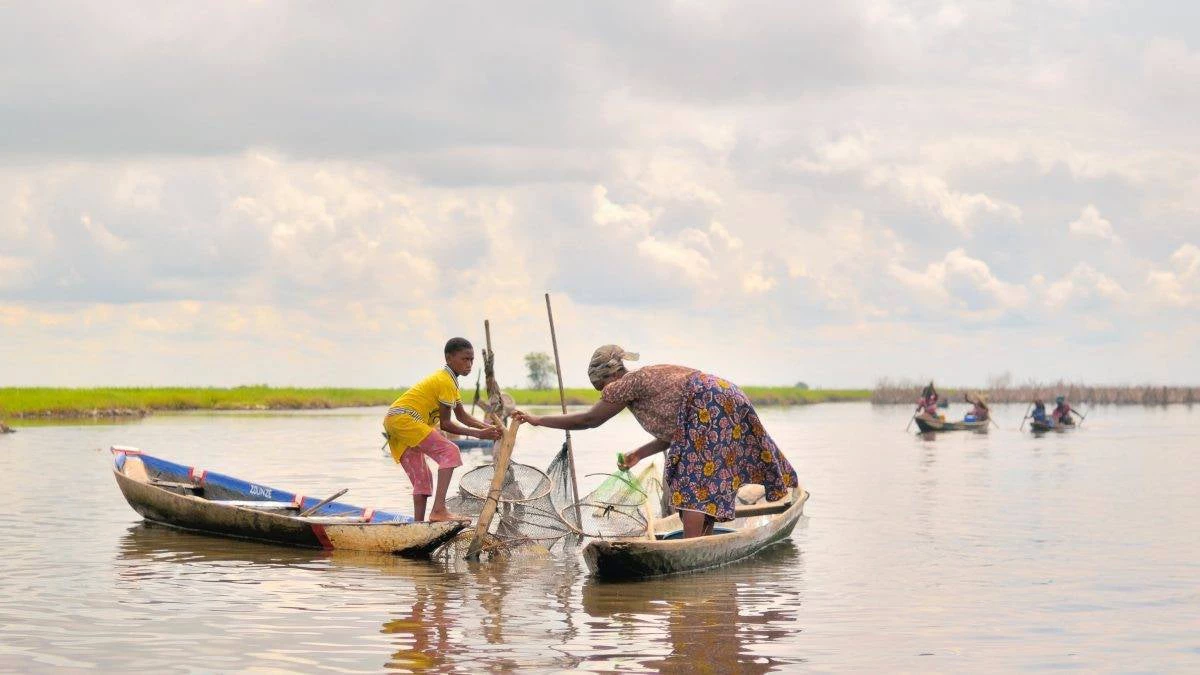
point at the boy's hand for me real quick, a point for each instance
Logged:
(526, 418)
(490, 433)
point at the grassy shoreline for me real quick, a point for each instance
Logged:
(66, 403)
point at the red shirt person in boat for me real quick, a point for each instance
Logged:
(928, 403)
(713, 438)
(1062, 412)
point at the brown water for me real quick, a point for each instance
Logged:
(1000, 551)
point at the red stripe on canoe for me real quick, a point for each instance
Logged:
(319, 530)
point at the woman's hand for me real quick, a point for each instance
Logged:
(526, 418)
(626, 461)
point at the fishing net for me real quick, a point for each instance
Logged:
(538, 509)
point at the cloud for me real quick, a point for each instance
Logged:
(1091, 224)
(961, 284)
(1180, 286)
(1082, 284)
(197, 183)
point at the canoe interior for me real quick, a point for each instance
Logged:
(231, 491)
(204, 501)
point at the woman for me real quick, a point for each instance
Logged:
(979, 410)
(1062, 412)
(714, 439)
(928, 403)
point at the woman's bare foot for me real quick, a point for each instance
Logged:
(442, 516)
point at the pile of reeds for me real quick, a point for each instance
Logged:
(889, 391)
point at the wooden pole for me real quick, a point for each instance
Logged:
(489, 506)
(323, 502)
(495, 403)
(1022, 427)
(562, 401)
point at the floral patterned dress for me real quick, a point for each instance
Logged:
(718, 442)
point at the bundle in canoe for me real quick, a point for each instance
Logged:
(182, 496)
(756, 527)
(926, 424)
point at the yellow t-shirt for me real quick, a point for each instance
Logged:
(416, 413)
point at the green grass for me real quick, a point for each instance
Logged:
(65, 402)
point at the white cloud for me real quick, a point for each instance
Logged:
(101, 236)
(963, 285)
(1091, 224)
(677, 257)
(1178, 287)
(1082, 283)
(630, 219)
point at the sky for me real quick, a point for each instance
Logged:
(318, 194)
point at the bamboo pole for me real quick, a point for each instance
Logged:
(489, 506)
(562, 400)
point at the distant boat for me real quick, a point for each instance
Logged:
(473, 443)
(204, 501)
(928, 424)
(1039, 427)
(754, 528)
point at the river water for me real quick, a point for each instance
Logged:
(995, 551)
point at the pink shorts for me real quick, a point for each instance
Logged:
(438, 448)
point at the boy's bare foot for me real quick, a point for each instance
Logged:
(442, 516)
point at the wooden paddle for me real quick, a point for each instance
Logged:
(323, 502)
(500, 467)
(1022, 427)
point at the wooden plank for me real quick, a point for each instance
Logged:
(489, 506)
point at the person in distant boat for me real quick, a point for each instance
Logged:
(928, 403)
(713, 438)
(1039, 411)
(1062, 412)
(412, 423)
(979, 410)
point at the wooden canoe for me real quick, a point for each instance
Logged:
(1038, 427)
(756, 527)
(928, 424)
(185, 497)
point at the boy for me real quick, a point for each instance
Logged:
(412, 425)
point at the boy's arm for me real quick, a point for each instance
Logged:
(465, 417)
(448, 424)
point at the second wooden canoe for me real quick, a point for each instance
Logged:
(755, 528)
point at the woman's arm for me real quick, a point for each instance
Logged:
(588, 419)
(652, 448)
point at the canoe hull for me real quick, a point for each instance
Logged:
(1044, 427)
(929, 424)
(617, 559)
(191, 512)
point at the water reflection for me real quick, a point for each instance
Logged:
(722, 621)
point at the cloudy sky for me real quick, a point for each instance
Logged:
(322, 193)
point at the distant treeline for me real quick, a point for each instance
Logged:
(52, 402)
(888, 391)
